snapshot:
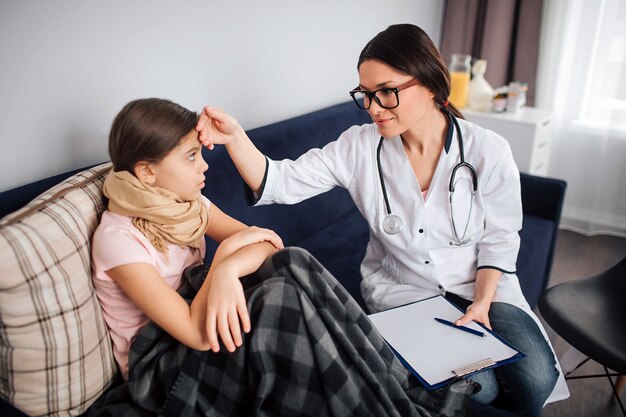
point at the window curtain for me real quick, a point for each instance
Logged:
(503, 32)
(582, 79)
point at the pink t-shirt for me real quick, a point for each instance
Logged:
(117, 242)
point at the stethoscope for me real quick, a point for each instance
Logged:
(392, 224)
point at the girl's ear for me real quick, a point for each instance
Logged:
(145, 172)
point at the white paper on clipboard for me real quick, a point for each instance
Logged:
(434, 351)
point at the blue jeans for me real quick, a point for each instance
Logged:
(522, 386)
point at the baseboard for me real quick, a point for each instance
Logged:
(589, 223)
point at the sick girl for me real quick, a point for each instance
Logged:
(262, 330)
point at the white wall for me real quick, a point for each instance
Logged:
(68, 66)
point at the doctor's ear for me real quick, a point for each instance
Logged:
(144, 171)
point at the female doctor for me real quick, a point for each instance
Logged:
(441, 196)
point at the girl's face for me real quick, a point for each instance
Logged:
(182, 170)
(415, 102)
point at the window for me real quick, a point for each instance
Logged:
(604, 95)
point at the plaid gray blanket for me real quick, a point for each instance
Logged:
(311, 352)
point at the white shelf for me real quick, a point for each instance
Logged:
(529, 132)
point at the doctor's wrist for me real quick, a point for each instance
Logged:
(237, 138)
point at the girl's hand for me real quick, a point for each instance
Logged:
(251, 235)
(476, 311)
(226, 308)
(216, 126)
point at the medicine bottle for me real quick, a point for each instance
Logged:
(517, 96)
(500, 99)
(480, 92)
(459, 79)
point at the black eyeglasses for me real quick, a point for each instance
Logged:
(386, 97)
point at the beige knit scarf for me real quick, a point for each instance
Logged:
(158, 213)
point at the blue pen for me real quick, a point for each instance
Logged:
(465, 329)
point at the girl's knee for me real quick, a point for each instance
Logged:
(289, 255)
(294, 252)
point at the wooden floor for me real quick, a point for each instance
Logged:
(576, 257)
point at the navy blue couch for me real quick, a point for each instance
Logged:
(329, 225)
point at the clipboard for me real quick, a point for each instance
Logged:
(435, 353)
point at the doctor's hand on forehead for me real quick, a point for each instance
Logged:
(215, 126)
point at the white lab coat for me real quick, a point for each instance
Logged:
(419, 261)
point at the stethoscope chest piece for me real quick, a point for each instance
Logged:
(392, 224)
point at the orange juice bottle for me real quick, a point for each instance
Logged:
(459, 79)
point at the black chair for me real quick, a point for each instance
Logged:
(590, 314)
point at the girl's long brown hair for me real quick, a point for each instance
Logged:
(147, 130)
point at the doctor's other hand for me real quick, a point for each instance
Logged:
(215, 126)
(478, 312)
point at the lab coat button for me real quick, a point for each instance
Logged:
(427, 262)
(421, 230)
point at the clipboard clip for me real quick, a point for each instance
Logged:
(473, 367)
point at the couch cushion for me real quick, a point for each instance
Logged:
(536, 240)
(285, 139)
(340, 247)
(55, 351)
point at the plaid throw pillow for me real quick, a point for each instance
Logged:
(55, 351)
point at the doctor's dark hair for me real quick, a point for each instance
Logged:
(408, 49)
(147, 130)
